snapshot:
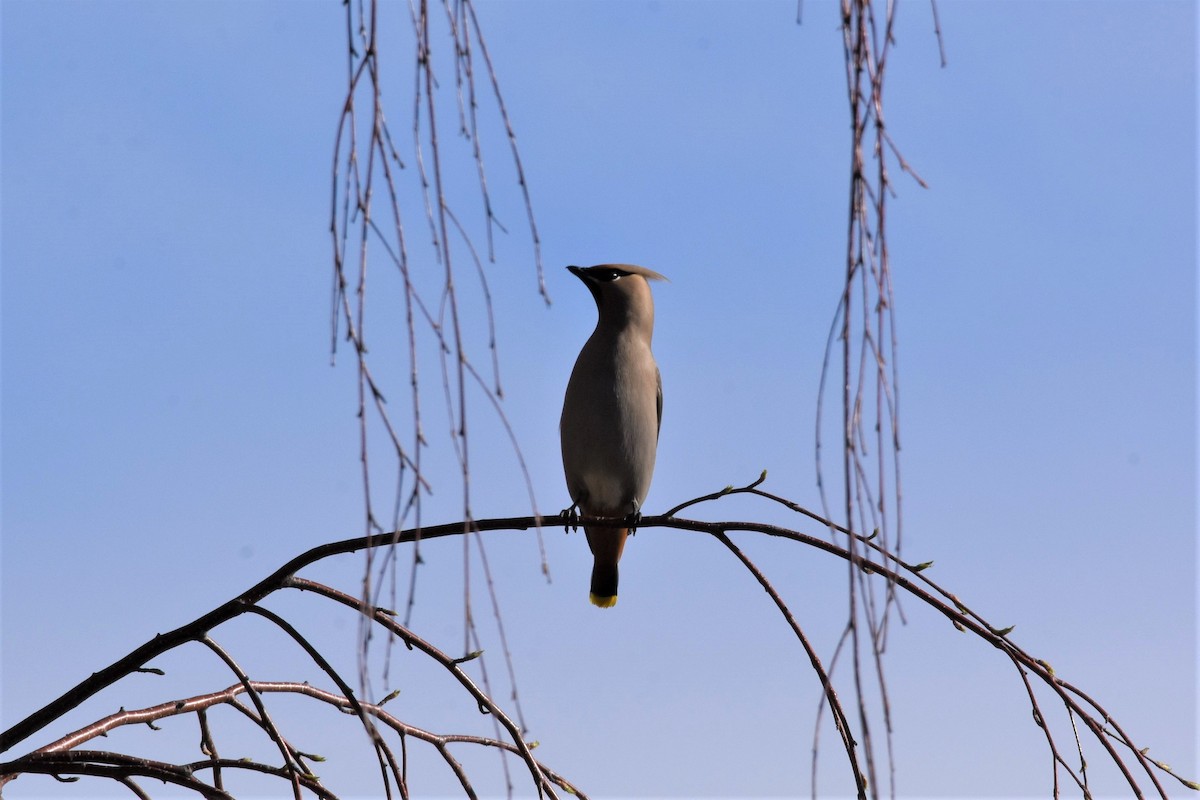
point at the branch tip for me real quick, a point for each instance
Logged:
(474, 654)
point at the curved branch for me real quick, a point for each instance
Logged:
(907, 578)
(195, 630)
(291, 758)
(385, 761)
(411, 640)
(839, 715)
(50, 759)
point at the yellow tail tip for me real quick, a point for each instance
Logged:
(603, 602)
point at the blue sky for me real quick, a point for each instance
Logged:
(173, 431)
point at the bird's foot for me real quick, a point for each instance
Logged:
(570, 518)
(631, 520)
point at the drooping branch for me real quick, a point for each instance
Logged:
(861, 355)
(381, 182)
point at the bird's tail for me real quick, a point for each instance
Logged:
(606, 545)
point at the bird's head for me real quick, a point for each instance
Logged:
(621, 291)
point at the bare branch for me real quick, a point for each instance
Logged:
(375, 193)
(64, 756)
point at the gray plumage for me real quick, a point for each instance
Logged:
(612, 413)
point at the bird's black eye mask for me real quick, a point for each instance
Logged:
(607, 274)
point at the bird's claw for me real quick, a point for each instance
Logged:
(570, 518)
(631, 521)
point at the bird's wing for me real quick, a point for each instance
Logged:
(658, 401)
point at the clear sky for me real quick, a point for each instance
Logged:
(172, 429)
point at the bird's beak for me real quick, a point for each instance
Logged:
(588, 281)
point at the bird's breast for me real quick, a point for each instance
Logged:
(609, 427)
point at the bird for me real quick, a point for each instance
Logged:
(611, 416)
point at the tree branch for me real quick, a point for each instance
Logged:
(62, 757)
